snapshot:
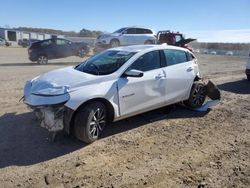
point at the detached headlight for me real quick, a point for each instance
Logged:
(52, 91)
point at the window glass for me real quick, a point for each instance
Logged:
(105, 62)
(147, 62)
(190, 56)
(61, 42)
(130, 31)
(148, 31)
(120, 30)
(143, 31)
(46, 43)
(174, 57)
(177, 38)
(139, 31)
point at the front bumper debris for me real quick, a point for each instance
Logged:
(50, 117)
(214, 94)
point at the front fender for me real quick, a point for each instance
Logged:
(106, 90)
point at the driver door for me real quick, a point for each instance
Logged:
(146, 92)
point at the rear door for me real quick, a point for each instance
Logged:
(144, 93)
(47, 48)
(63, 48)
(180, 73)
(129, 37)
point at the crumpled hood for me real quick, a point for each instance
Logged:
(67, 78)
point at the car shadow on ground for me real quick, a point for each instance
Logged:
(23, 142)
(238, 87)
(35, 64)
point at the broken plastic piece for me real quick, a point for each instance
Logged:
(207, 105)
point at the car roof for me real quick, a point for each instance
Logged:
(138, 48)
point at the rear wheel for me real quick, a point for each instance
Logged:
(197, 95)
(81, 52)
(42, 60)
(114, 43)
(90, 121)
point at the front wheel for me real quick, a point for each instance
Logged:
(90, 121)
(197, 95)
(42, 60)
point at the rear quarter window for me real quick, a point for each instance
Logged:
(174, 57)
(190, 56)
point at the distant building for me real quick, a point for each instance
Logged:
(13, 36)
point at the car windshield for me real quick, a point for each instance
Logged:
(105, 63)
(120, 30)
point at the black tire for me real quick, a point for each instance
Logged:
(42, 60)
(197, 95)
(81, 52)
(114, 43)
(248, 77)
(90, 121)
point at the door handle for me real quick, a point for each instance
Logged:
(159, 76)
(190, 69)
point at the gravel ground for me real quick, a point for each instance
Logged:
(169, 147)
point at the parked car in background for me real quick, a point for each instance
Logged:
(112, 85)
(229, 53)
(26, 42)
(3, 42)
(55, 48)
(213, 53)
(196, 50)
(126, 36)
(205, 51)
(248, 68)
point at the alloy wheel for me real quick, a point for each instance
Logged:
(97, 123)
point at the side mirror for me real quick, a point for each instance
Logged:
(133, 73)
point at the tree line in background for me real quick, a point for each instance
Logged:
(221, 46)
(82, 33)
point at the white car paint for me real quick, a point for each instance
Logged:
(126, 38)
(127, 95)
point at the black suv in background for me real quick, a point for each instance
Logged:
(55, 48)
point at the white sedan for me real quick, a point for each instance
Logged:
(113, 85)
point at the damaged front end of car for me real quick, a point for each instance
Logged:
(47, 101)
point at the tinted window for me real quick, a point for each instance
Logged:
(46, 43)
(148, 31)
(120, 30)
(143, 31)
(190, 56)
(61, 42)
(174, 57)
(130, 31)
(147, 62)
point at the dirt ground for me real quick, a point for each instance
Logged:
(163, 148)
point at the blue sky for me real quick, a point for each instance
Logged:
(204, 20)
